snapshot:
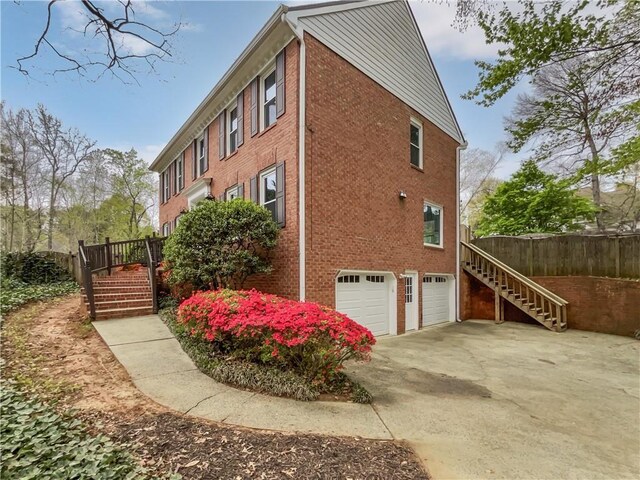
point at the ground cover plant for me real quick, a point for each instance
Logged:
(39, 443)
(271, 344)
(14, 293)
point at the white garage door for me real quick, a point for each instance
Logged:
(365, 299)
(435, 299)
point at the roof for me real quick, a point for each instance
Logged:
(419, 87)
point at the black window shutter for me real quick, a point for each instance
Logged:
(280, 194)
(174, 169)
(194, 160)
(240, 110)
(253, 189)
(280, 84)
(241, 190)
(162, 187)
(169, 180)
(221, 146)
(206, 149)
(254, 105)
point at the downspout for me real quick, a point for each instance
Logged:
(302, 239)
(458, 150)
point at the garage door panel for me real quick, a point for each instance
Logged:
(365, 299)
(436, 293)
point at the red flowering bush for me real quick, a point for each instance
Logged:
(312, 340)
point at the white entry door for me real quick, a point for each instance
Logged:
(410, 301)
(436, 298)
(364, 298)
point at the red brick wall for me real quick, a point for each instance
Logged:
(357, 161)
(597, 304)
(278, 143)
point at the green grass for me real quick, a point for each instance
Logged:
(36, 442)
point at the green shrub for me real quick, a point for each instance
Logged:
(14, 293)
(31, 268)
(38, 443)
(219, 244)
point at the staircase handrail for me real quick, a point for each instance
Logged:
(519, 276)
(151, 270)
(87, 279)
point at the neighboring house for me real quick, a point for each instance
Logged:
(335, 120)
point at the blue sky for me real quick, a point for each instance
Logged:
(145, 116)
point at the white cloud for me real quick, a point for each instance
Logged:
(149, 152)
(435, 21)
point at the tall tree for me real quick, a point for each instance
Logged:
(577, 115)
(476, 167)
(133, 182)
(64, 151)
(532, 201)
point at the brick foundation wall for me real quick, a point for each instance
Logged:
(278, 143)
(597, 304)
(357, 162)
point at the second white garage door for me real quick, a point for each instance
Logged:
(436, 298)
(365, 299)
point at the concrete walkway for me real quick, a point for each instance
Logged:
(159, 368)
(475, 400)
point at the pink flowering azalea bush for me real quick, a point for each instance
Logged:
(310, 339)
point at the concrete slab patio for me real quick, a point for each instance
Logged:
(475, 400)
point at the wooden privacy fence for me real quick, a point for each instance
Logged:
(565, 255)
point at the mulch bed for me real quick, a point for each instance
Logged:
(50, 342)
(169, 442)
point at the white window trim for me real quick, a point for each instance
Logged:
(417, 123)
(179, 173)
(166, 187)
(166, 229)
(198, 191)
(269, 69)
(432, 204)
(230, 107)
(201, 137)
(235, 189)
(261, 189)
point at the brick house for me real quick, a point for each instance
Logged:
(334, 119)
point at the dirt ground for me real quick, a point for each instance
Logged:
(50, 349)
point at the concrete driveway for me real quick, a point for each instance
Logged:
(479, 400)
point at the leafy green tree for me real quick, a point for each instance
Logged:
(219, 244)
(532, 201)
(533, 35)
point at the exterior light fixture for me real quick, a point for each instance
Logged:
(402, 194)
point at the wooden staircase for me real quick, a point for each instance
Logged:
(509, 285)
(120, 295)
(111, 292)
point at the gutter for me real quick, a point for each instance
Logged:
(458, 150)
(302, 239)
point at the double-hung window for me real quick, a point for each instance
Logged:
(267, 190)
(166, 229)
(432, 227)
(201, 152)
(180, 173)
(232, 121)
(166, 187)
(232, 193)
(415, 143)
(268, 98)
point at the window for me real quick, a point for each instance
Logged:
(269, 98)
(408, 289)
(165, 229)
(415, 143)
(201, 147)
(432, 231)
(349, 279)
(267, 190)
(180, 173)
(232, 193)
(232, 121)
(375, 278)
(166, 187)
(177, 220)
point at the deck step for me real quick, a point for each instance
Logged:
(123, 312)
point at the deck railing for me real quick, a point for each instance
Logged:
(106, 256)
